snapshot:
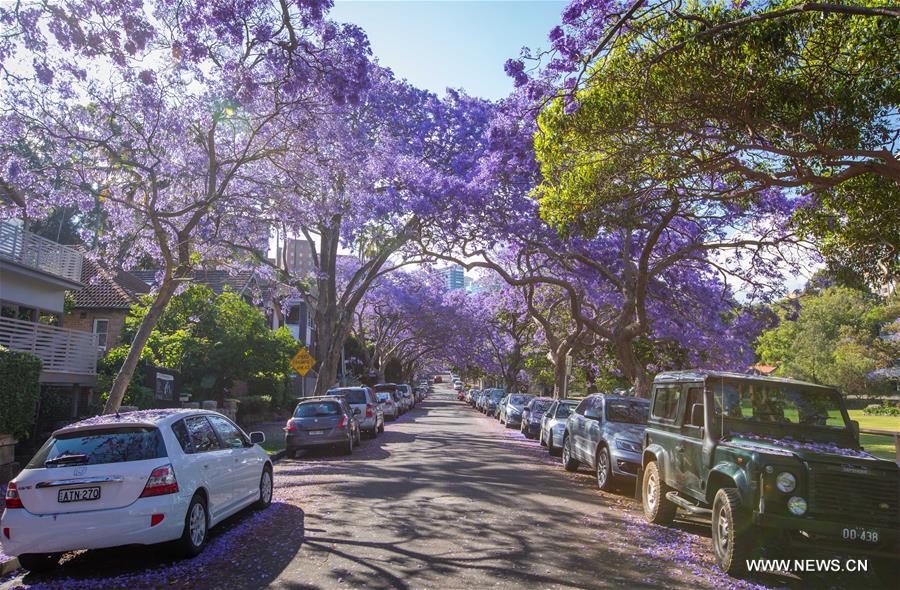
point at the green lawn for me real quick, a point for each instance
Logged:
(880, 446)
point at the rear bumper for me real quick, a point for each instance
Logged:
(95, 529)
(306, 442)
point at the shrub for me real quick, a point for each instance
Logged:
(881, 410)
(253, 408)
(19, 375)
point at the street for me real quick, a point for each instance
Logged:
(445, 498)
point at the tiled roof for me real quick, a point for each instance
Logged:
(103, 290)
(216, 280)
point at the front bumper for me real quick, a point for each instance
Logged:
(625, 464)
(94, 529)
(826, 534)
(513, 420)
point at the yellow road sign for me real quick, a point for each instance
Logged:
(303, 362)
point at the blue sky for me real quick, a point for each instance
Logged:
(460, 43)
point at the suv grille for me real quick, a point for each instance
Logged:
(844, 495)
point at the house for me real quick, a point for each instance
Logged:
(35, 274)
(101, 305)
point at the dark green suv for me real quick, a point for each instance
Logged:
(775, 464)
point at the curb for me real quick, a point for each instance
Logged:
(7, 567)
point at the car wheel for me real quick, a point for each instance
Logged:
(734, 537)
(604, 469)
(266, 487)
(348, 448)
(658, 509)
(381, 428)
(39, 562)
(196, 528)
(569, 462)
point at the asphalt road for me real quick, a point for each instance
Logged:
(446, 498)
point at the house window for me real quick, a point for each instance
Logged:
(101, 329)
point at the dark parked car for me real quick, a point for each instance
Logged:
(510, 412)
(370, 413)
(322, 421)
(532, 415)
(492, 401)
(773, 462)
(553, 424)
(606, 433)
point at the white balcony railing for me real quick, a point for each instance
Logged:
(61, 350)
(39, 253)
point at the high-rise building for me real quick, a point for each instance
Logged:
(297, 256)
(455, 275)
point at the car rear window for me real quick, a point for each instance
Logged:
(383, 396)
(540, 405)
(519, 400)
(317, 410)
(630, 412)
(564, 410)
(95, 447)
(353, 396)
(385, 387)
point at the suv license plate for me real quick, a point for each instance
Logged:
(316, 432)
(79, 494)
(859, 534)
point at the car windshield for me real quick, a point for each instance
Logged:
(632, 411)
(317, 410)
(497, 395)
(93, 447)
(540, 405)
(353, 396)
(519, 400)
(778, 403)
(564, 410)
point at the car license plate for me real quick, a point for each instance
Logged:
(316, 432)
(860, 534)
(79, 494)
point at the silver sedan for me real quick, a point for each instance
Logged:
(553, 424)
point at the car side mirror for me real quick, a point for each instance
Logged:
(697, 415)
(257, 438)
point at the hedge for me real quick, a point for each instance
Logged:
(19, 392)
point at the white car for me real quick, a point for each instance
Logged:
(143, 477)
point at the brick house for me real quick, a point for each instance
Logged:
(101, 306)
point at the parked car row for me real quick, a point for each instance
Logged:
(773, 463)
(339, 418)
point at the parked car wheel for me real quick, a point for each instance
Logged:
(604, 469)
(348, 447)
(569, 462)
(381, 428)
(657, 508)
(550, 448)
(734, 537)
(39, 562)
(266, 486)
(196, 529)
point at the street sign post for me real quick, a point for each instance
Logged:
(303, 362)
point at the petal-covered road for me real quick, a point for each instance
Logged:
(446, 498)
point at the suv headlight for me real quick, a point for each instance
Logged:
(627, 445)
(797, 506)
(786, 482)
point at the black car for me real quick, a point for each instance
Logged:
(326, 421)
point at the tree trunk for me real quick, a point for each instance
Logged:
(123, 377)
(560, 390)
(632, 367)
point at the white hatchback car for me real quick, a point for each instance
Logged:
(143, 477)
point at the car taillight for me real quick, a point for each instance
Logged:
(343, 422)
(289, 427)
(161, 482)
(370, 410)
(12, 499)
